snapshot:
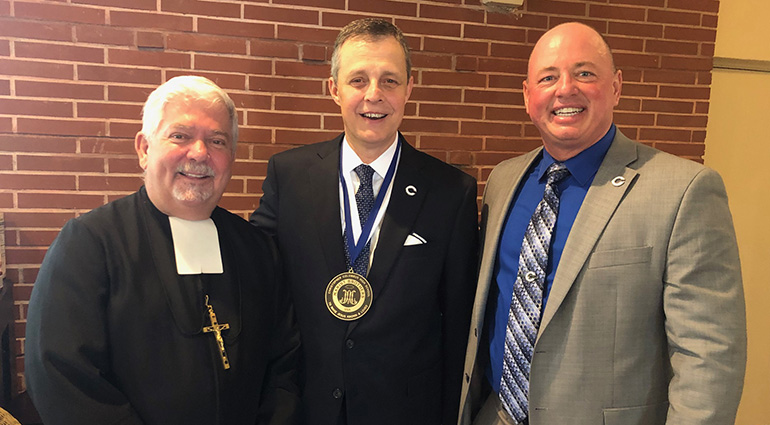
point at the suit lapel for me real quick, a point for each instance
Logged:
(324, 179)
(597, 209)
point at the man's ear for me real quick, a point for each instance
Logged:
(141, 144)
(334, 91)
(525, 92)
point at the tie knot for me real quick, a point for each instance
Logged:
(365, 173)
(556, 172)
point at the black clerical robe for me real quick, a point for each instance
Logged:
(115, 335)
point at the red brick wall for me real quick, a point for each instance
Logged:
(74, 73)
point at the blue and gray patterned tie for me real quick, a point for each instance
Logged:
(365, 203)
(524, 315)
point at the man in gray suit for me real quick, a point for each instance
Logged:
(640, 315)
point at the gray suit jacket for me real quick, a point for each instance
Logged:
(645, 322)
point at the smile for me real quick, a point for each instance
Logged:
(374, 115)
(568, 112)
(194, 175)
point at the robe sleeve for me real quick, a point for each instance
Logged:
(67, 354)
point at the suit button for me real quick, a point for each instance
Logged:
(349, 343)
(337, 393)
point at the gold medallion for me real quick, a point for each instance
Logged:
(348, 296)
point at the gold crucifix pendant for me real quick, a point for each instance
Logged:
(217, 329)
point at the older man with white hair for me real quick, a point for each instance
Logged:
(162, 308)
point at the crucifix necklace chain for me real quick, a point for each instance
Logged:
(217, 329)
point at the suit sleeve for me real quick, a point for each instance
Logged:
(704, 308)
(459, 283)
(66, 355)
(265, 217)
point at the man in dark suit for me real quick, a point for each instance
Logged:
(383, 331)
(161, 308)
(639, 303)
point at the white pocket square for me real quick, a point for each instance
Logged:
(414, 239)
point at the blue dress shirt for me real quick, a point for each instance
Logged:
(573, 189)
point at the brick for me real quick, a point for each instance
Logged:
(508, 114)
(6, 125)
(109, 183)
(37, 144)
(632, 60)
(59, 52)
(386, 7)
(490, 128)
(671, 47)
(667, 106)
(119, 74)
(625, 43)
(698, 121)
(110, 146)
(249, 167)
(466, 79)
(526, 20)
(459, 158)
(641, 90)
(235, 28)
(334, 122)
(204, 8)
(103, 35)
(675, 77)
(455, 46)
(133, 4)
(672, 17)
(707, 49)
(109, 110)
(653, 3)
(261, 135)
(59, 163)
(6, 200)
(636, 29)
(277, 119)
(451, 13)
(687, 63)
(508, 66)
(709, 21)
(205, 43)
(491, 158)
(632, 75)
(155, 20)
(306, 104)
(691, 34)
(321, 35)
(30, 238)
(122, 129)
(616, 12)
(40, 69)
(431, 61)
(60, 127)
(513, 82)
(303, 137)
(149, 58)
(507, 144)
(5, 48)
(429, 125)
(691, 150)
(271, 49)
(225, 81)
(33, 30)
(436, 94)
(457, 143)
(710, 6)
(59, 12)
(423, 27)
(635, 118)
(5, 88)
(486, 32)
(150, 39)
(251, 100)
(286, 85)
(466, 63)
(558, 7)
(664, 134)
(57, 200)
(701, 107)
(235, 203)
(281, 14)
(430, 110)
(6, 164)
(704, 78)
(627, 104)
(323, 4)
(124, 166)
(302, 69)
(492, 97)
(331, 19)
(512, 51)
(685, 92)
(24, 256)
(310, 52)
(36, 107)
(128, 94)
(5, 8)
(37, 219)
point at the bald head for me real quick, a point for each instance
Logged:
(571, 88)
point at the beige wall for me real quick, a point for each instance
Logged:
(738, 146)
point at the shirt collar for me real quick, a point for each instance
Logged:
(350, 159)
(584, 165)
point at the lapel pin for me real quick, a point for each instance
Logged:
(411, 190)
(618, 181)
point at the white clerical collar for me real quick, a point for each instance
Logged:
(196, 246)
(351, 160)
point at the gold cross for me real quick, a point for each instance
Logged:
(217, 329)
